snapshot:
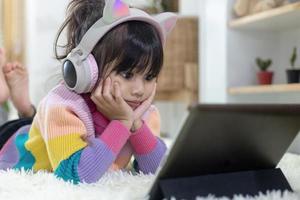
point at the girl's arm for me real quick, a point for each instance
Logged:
(74, 158)
(148, 148)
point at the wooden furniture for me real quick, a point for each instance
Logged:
(277, 20)
(265, 89)
(281, 18)
(12, 29)
(178, 80)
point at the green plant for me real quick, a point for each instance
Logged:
(166, 5)
(293, 57)
(5, 106)
(169, 5)
(263, 65)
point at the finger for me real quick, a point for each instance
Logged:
(98, 90)
(113, 91)
(98, 100)
(98, 83)
(139, 111)
(118, 95)
(145, 105)
(101, 104)
(107, 90)
(151, 97)
(97, 96)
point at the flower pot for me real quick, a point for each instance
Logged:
(293, 75)
(264, 77)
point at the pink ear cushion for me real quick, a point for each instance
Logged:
(94, 71)
(169, 24)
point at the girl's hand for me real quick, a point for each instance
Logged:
(138, 113)
(113, 107)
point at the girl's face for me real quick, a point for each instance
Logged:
(135, 87)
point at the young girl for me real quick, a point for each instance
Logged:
(101, 115)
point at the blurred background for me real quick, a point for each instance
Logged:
(221, 51)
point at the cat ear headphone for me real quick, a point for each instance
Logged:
(79, 69)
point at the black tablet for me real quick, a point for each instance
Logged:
(228, 138)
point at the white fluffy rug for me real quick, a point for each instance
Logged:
(15, 185)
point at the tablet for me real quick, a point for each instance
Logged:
(229, 138)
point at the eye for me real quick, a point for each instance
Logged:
(126, 75)
(150, 77)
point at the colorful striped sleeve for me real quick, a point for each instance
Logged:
(77, 159)
(148, 148)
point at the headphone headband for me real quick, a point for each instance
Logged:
(100, 28)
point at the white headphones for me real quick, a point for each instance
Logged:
(79, 69)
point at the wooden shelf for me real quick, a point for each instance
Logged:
(264, 89)
(277, 19)
(182, 95)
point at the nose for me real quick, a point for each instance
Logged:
(138, 88)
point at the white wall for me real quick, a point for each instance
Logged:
(189, 7)
(43, 19)
(213, 53)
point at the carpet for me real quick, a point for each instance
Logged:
(16, 185)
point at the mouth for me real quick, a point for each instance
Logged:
(133, 104)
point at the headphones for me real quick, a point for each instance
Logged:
(80, 71)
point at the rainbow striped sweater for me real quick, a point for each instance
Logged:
(71, 138)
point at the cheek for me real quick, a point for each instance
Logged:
(149, 87)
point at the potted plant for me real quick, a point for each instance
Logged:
(293, 73)
(150, 6)
(264, 77)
